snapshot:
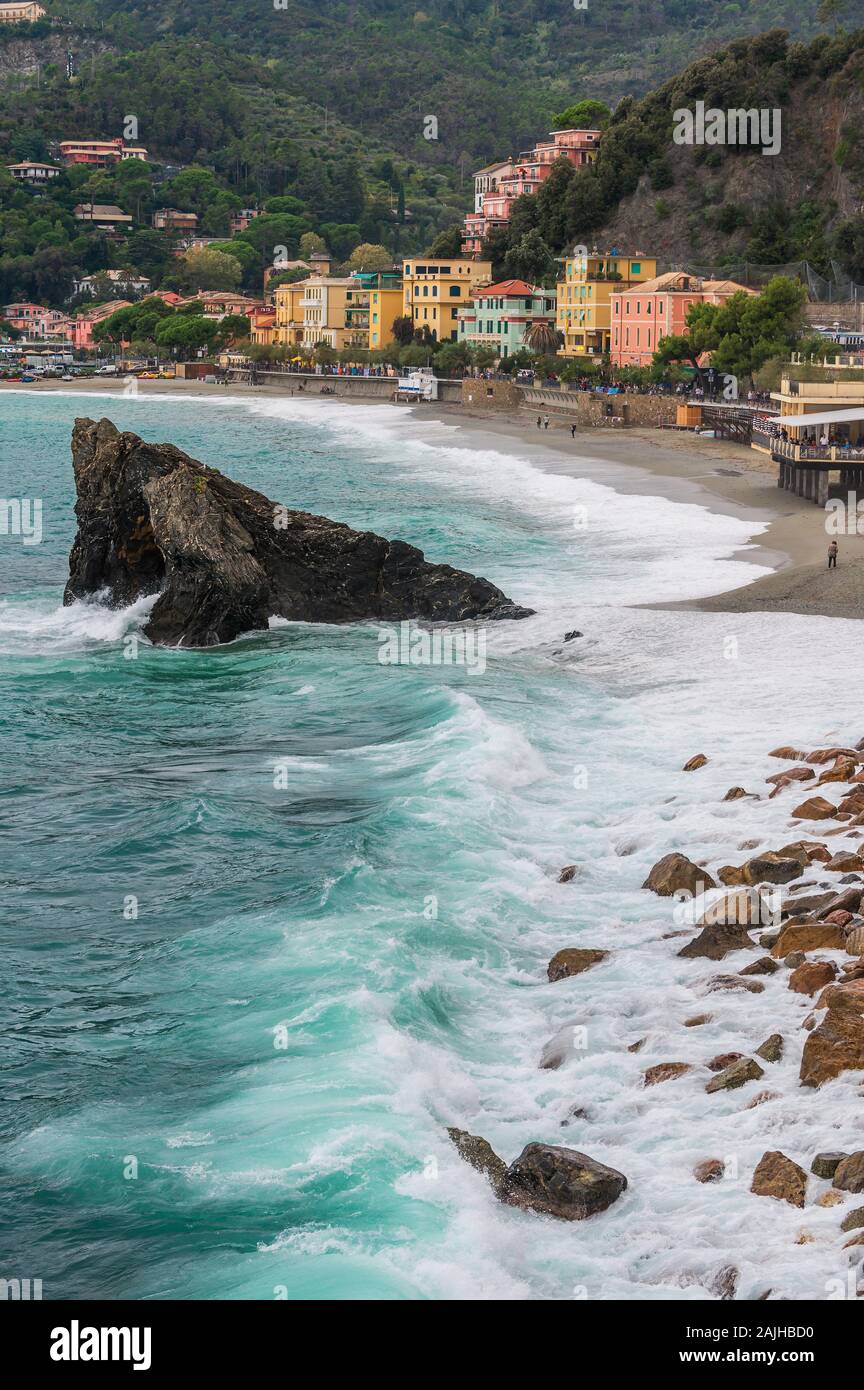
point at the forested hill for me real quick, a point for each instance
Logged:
(491, 71)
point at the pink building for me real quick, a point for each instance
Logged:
(497, 186)
(641, 316)
(38, 323)
(83, 325)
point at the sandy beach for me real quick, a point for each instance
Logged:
(725, 477)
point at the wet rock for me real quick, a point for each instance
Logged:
(709, 1170)
(741, 907)
(573, 960)
(724, 1283)
(772, 1048)
(763, 966)
(561, 1182)
(845, 862)
(637, 1046)
(825, 1165)
(849, 1173)
(777, 1176)
(815, 808)
(736, 793)
(724, 1060)
(829, 1199)
(694, 763)
(791, 774)
(665, 1071)
(715, 942)
(787, 752)
(675, 873)
(570, 636)
(480, 1155)
(794, 959)
(557, 1050)
(738, 1074)
(829, 755)
(568, 874)
(843, 769)
(769, 938)
(854, 1221)
(772, 868)
(728, 983)
(839, 918)
(836, 1045)
(698, 1021)
(808, 936)
(762, 1098)
(812, 976)
(854, 943)
(732, 876)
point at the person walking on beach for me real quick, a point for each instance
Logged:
(832, 555)
(572, 431)
(545, 422)
(539, 422)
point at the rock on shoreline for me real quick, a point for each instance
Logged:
(224, 559)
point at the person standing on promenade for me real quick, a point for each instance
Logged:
(539, 422)
(832, 555)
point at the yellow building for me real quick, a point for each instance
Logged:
(433, 292)
(20, 14)
(584, 315)
(323, 309)
(385, 307)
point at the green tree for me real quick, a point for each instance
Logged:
(531, 260)
(447, 243)
(206, 269)
(368, 257)
(583, 115)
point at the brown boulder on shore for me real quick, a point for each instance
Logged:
(843, 770)
(675, 873)
(829, 755)
(812, 976)
(480, 1154)
(792, 754)
(808, 936)
(777, 1176)
(561, 1182)
(665, 1071)
(693, 764)
(573, 960)
(849, 1173)
(815, 808)
(735, 1075)
(716, 941)
(836, 1045)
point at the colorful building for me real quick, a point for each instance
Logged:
(218, 304)
(288, 328)
(24, 13)
(103, 215)
(99, 154)
(584, 312)
(512, 178)
(239, 221)
(34, 173)
(658, 308)
(38, 323)
(433, 292)
(500, 315)
(83, 325)
(384, 290)
(262, 325)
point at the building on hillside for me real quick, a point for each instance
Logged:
(644, 314)
(584, 309)
(84, 322)
(434, 291)
(512, 178)
(239, 221)
(38, 323)
(218, 304)
(99, 154)
(172, 220)
(105, 216)
(34, 173)
(126, 280)
(500, 315)
(22, 13)
(326, 309)
(288, 327)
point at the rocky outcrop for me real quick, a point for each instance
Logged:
(224, 559)
(675, 873)
(561, 1182)
(849, 1173)
(573, 960)
(837, 1044)
(777, 1176)
(480, 1154)
(735, 1075)
(714, 942)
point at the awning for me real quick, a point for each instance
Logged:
(827, 417)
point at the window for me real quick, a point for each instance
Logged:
(455, 291)
(636, 267)
(434, 291)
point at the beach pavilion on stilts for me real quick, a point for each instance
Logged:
(814, 451)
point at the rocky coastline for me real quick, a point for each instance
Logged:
(790, 917)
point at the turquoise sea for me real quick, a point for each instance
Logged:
(274, 915)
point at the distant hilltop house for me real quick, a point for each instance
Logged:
(643, 314)
(103, 215)
(38, 323)
(497, 186)
(499, 316)
(131, 282)
(34, 173)
(240, 220)
(21, 14)
(172, 220)
(218, 304)
(99, 154)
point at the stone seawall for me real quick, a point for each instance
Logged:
(592, 408)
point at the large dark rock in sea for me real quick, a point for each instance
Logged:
(224, 558)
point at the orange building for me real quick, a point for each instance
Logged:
(644, 314)
(497, 186)
(99, 154)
